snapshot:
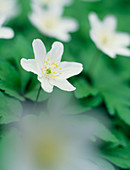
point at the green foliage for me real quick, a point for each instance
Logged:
(118, 156)
(9, 79)
(116, 94)
(104, 83)
(118, 102)
(10, 109)
(84, 89)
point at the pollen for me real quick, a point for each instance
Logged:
(50, 69)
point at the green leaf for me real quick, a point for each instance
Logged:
(21, 49)
(118, 156)
(10, 80)
(121, 136)
(95, 128)
(115, 93)
(118, 101)
(83, 89)
(105, 134)
(92, 101)
(10, 109)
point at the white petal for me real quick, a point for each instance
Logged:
(69, 25)
(63, 85)
(94, 21)
(70, 69)
(56, 52)
(39, 51)
(62, 36)
(123, 51)
(94, 36)
(111, 52)
(30, 65)
(6, 33)
(65, 26)
(2, 19)
(45, 84)
(110, 22)
(122, 39)
(56, 10)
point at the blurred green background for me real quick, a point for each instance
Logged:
(103, 87)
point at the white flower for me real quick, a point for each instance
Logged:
(8, 8)
(49, 68)
(106, 38)
(51, 23)
(48, 3)
(5, 32)
(50, 144)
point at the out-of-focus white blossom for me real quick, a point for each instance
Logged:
(5, 32)
(8, 8)
(106, 38)
(49, 3)
(51, 143)
(51, 23)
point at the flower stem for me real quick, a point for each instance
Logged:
(35, 104)
(38, 94)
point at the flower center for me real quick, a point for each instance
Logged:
(48, 151)
(104, 40)
(51, 69)
(48, 71)
(107, 38)
(51, 22)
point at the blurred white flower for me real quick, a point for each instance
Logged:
(49, 68)
(8, 8)
(5, 32)
(51, 23)
(51, 143)
(106, 38)
(48, 3)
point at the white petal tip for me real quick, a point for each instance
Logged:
(58, 44)
(22, 61)
(92, 15)
(80, 68)
(35, 41)
(74, 89)
(11, 35)
(6, 33)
